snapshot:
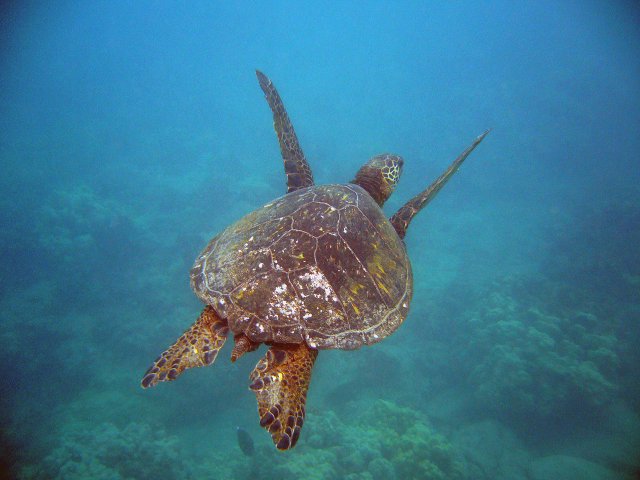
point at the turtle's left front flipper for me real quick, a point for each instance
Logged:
(197, 347)
(295, 164)
(280, 382)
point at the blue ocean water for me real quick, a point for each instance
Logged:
(133, 132)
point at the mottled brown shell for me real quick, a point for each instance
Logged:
(321, 264)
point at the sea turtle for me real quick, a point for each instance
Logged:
(318, 268)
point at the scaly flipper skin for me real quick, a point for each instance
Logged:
(197, 347)
(280, 382)
(242, 346)
(295, 165)
(403, 217)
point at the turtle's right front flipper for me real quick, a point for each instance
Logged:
(402, 218)
(295, 165)
(197, 347)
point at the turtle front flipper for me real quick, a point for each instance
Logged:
(295, 165)
(402, 218)
(197, 347)
(280, 382)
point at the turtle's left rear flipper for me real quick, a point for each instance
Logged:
(197, 347)
(280, 382)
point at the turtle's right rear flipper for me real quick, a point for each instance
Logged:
(280, 382)
(197, 347)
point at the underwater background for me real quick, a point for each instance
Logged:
(132, 132)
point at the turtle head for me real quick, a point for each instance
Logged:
(380, 175)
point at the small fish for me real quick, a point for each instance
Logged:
(245, 442)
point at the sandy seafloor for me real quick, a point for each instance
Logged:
(131, 133)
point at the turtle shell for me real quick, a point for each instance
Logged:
(321, 264)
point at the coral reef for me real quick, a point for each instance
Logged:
(385, 442)
(529, 358)
(76, 223)
(106, 452)
(82, 234)
(491, 451)
(562, 466)
(595, 248)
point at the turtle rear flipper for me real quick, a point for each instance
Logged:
(280, 382)
(197, 347)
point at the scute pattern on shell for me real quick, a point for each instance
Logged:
(321, 264)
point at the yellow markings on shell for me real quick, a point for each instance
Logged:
(376, 265)
(355, 308)
(382, 287)
(355, 288)
(237, 295)
(378, 272)
(300, 256)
